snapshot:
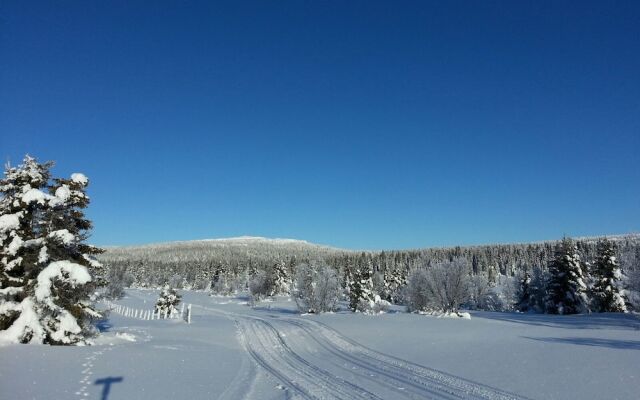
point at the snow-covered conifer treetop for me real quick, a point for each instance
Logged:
(46, 271)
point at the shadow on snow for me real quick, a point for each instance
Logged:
(596, 342)
(577, 321)
(107, 382)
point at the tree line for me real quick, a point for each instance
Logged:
(496, 277)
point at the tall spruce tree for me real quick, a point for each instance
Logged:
(607, 296)
(567, 290)
(361, 297)
(45, 268)
(394, 281)
(281, 279)
(523, 294)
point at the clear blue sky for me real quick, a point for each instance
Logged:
(358, 124)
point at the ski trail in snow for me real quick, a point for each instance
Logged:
(307, 380)
(242, 386)
(413, 378)
(313, 361)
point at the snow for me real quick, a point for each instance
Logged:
(256, 239)
(35, 195)
(79, 178)
(77, 274)
(10, 221)
(63, 235)
(63, 193)
(27, 321)
(14, 246)
(43, 256)
(438, 314)
(10, 291)
(233, 351)
(65, 324)
(126, 336)
(92, 261)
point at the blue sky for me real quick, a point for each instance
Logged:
(356, 124)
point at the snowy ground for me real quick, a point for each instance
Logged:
(231, 351)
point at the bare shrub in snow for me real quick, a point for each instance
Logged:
(632, 284)
(118, 278)
(316, 288)
(479, 290)
(441, 287)
(260, 286)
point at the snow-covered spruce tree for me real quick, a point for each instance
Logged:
(168, 300)
(566, 288)
(524, 300)
(361, 296)
(538, 289)
(607, 295)
(394, 281)
(45, 268)
(281, 280)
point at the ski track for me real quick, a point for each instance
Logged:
(242, 386)
(313, 361)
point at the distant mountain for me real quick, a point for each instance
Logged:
(197, 263)
(241, 248)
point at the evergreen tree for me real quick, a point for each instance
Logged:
(394, 281)
(524, 293)
(281, 280)
(607, 296)
(47, 273)
(567, 291)
(168, 300)
(361, 297)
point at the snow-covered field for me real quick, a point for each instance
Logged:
(232, 351)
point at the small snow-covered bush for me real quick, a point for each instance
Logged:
(225, 285)
(168, 300)
(316, 288)
(442, 287)
(375, 306)
(220, 286)
(500, 296)
(379, 305)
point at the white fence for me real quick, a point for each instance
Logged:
(149, 315)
